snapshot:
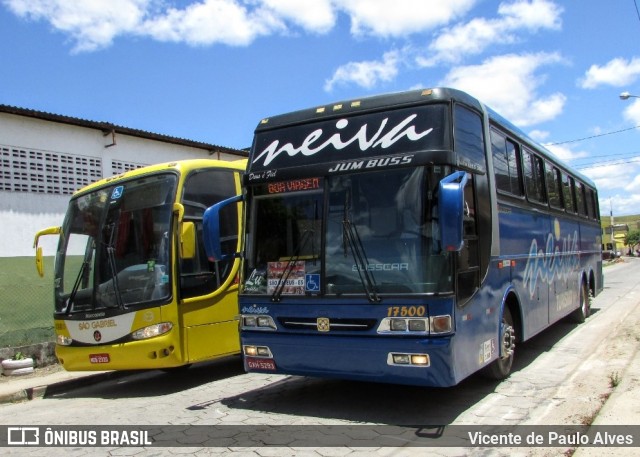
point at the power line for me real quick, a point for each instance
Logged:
(591, 160)
(635, 2)
(609, 163)
(594, 136)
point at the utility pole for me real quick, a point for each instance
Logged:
(613, 242)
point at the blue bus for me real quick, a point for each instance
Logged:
(410, 238)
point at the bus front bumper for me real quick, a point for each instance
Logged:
(424, 362)
(154, 353)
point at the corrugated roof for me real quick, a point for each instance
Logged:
(109, 127)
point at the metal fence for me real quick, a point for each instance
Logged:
(26, 302)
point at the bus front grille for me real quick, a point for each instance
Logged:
(310, 323)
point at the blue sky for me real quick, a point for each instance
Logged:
(209, 70)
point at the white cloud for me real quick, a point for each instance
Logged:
(509, 85)
(400, 17)
(627, 204)
(565, 153)
(313, 15)
(634, 186)
(632, 112)
(94, 24)
(539, 135)
(622, 178)
(532, 15)
(617, 72)
(91, 24)
(213, 21)
(366, 74)
(478, 34)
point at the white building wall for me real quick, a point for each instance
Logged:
(22, 214)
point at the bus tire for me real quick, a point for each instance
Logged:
(581, 314)
(501, 367)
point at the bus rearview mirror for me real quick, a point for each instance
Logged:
(39, 255)
(451, 210)
(211, 228)
(39, 262)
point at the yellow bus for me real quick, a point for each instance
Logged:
(133, 286)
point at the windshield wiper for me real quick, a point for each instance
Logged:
(352, 240)
(111, 256)
(76, 286)
(282, 280)
(81, 274)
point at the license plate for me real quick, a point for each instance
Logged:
(254, 363)
(99, 358)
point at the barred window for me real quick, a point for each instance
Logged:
(45, 172)
(118, 166)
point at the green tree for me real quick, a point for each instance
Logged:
(632, 239)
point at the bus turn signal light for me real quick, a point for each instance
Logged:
(440, 324)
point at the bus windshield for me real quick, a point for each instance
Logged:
(380, 236)
(114, 247)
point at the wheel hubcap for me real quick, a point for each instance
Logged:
(508, 341)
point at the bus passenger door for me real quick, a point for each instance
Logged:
(207, 291)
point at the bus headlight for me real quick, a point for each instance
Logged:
(257, 322)
(412, 360)
(152, 331)
(411, 326)
(64, 340)
(257, 351)
(398, 325)
(434, 325)
(417, 325)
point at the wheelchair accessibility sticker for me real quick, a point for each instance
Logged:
(312, 283)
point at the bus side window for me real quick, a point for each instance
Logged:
(554, 186)
(581, 199)
(567, 193)
(469, 138)
(533, 176)
(505, 164)
(204, 188)
(591, 204)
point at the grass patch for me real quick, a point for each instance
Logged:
(26, 302)
(614, 379)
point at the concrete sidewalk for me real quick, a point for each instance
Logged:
(621, 408)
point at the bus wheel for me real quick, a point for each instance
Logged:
(501, 367)
(581, 314)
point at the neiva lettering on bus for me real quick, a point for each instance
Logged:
(404, 129)
(556, 261)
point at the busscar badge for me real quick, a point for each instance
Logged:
(323, 324)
